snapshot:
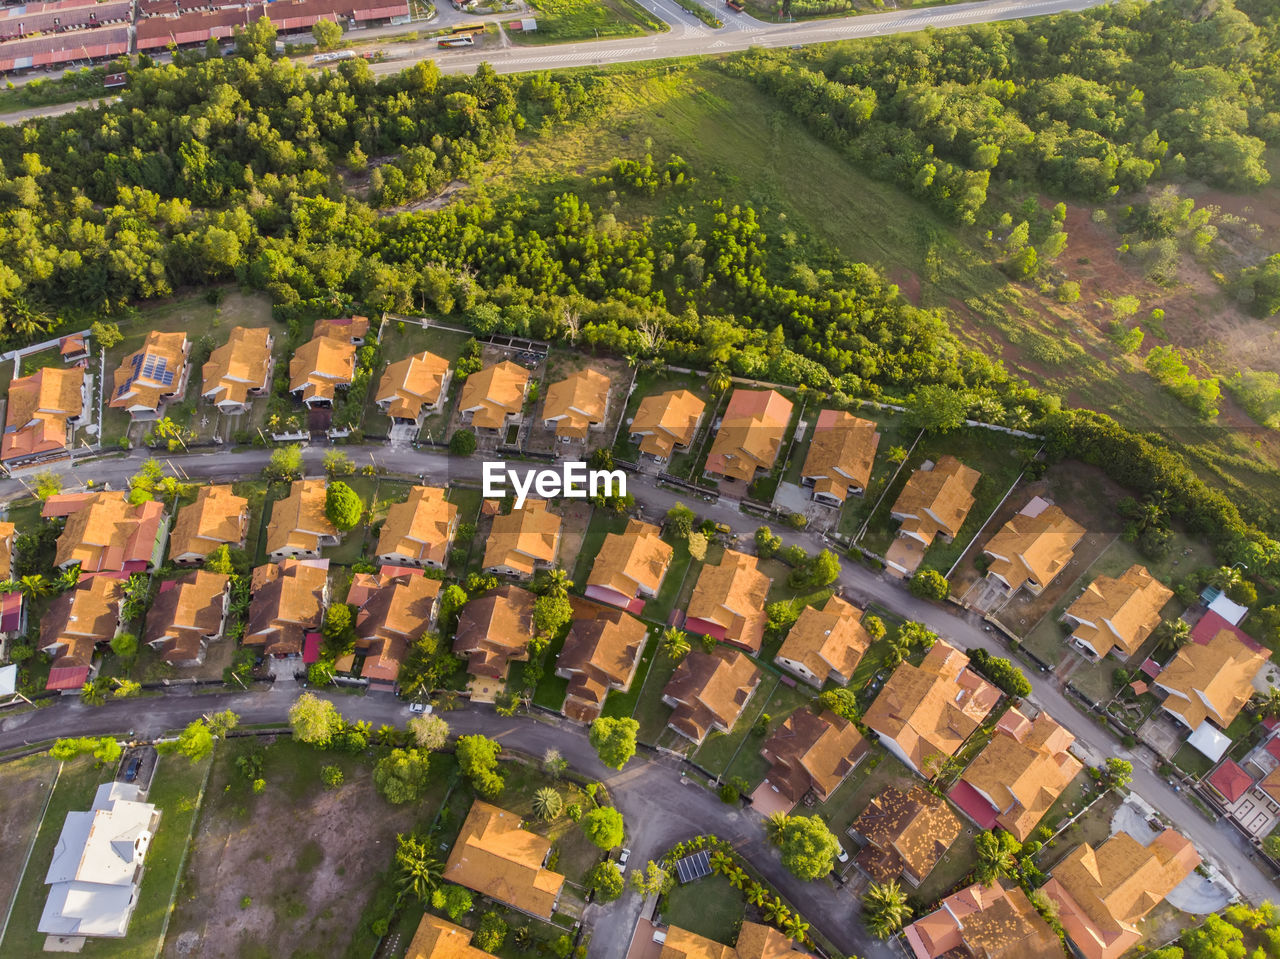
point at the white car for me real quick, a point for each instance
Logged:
(622, 859)
(841, 855)
(421, 708)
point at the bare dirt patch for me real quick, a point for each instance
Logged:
(27, 783)
(560, 364)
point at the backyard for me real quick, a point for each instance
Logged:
(402, 338)
(651, 383)
(708, 907)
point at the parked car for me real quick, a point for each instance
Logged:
(421, 708)
(131, 771)
(841, 854)
(622, 859)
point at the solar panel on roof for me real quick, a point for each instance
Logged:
(693, 867)
(167, 378)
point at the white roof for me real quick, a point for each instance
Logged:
(1210, 740)
(8, 679)
(1231, 612)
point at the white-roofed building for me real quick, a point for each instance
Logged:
(97, 864)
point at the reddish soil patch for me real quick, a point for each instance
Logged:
(908, 284)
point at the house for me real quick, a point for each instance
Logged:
(1103, 894)
(825, 644)
(322, 366)
(1018, 775)
(413, 386)
(601, 653)
(419, 531)
(1032, 548)
(41, 414)
(494, 629)
(1117, 613)
(97, 866)
(8, 536)
(394, 608)
(750, 435)
(218, 517)
(755, 941)
(187, 615)
(154, 373)
(984, 922)
(299, 527)
(840, 457)
(630, 565)
(812, 753)
(347, 329)
(76, 622)
(576, 404)
(667, 423)
(74, 348)
(929, 710)
(105, 533)
(906, 834)
(238, 370)
(289, 600)
(523, 540)
(496, 858)
(934, 502)
(494, 396)
(13, 607)
(709, 691)
(728, 601)
(438, 938)
(1211, 682)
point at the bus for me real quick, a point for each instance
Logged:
(467, 28)
(457, 40)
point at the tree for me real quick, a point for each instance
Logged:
(419, 872)
(842, 702)
(698, 544)
(327, 34)
(195, 742)
(478, 759)
(998, 853)
(675, 644)
(285, 463)
(105, 335)
(767, 542)
(336, 462)
(808, 847)
(490, 934)
(550, 613)
(604, 827)
(547, 803)
(874, 627)
(884, 909)
(614, 740)
(429, 732)
(652, 880)
(48, 483)
(401, 775)
(103, 748)
(937, 409)
(605, 881)
(823, 568)
(35, 586)
(315, 721)
(462, 443)
(94, 692)
(125, 645)
(554, 764)
(929, 584)
(454, 900)
(126, 688)
(331, 776)
(219, 561)
(342, 506)
(555, 582)
(680, 521)
(1173, 634)
(1117, 773)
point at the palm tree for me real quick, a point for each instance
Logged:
(737, 878)
(774, 911)
(721, 861)
(1270, 704)
(522, 938)
(718, 381)
(557, 584)
(675, 644)
(997, 855)
(775, 825)
(93, 693)
(1173, 634)
(756, 894)
(1226, 578)
(68, 578)
(547, 803)
(796, 928)
(34, 585)
(419, 872)
(885, 909)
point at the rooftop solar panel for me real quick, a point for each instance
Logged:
(693, 867)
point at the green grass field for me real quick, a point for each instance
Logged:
(710, 907)
(560, 21)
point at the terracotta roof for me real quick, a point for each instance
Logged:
(420, 529)
(666, 421)
(750, 434)
(1270, 784)
(348, 328)
(320, 366)
(755, 941)
(412, 383)
(523, 538)
(1102, 894)
(599, 654)
(494, 629)
(1023, 770)
(104, 533)
(241, 364)
(932, 708)
(73, 345)
(577, 403)
(827, 642)
(289, 600)
(936, 500)
(906, 833)
(80, 618)
(1034, 547)
(216, 517)
(498, 859)
(812, 752)
(709, 691)
(186, 615)
(298, 521)
(7, 534)
(1230, 780)
(156, 370)
(729, 597)
(395, 607)
(632, 562)
(494, 393)
(986, 922)
(437, 938)
(1118, 611)
(841, 453)
(38, 409)
(1212, 681)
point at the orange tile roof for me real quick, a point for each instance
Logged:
(932, 708)
(523, 538)
(577, 403)
(289, 600)
(1118, 612)
(420, 529)
(320, 366)
(396, 607)
(937, 500)
(350, 329)
(241, 364)
(666, 421)
(633, 562)
(81, 618)
(709, 691)
(216, 517)
(987, 922)
(298, 522)
(438, 939)
(1023, 770)
(812, 752)
(156, 370)
(599, 654)
(825, 643)
(1103, 894)
(7, 534)
(750, 434)
(755, 941)
(841, 453)
(494, 629)
(185, 616)
(498, 859)
(39, 407)
(412, 383)
(732, 595)
(1211, 681)
(907, 834)
(494, 393)
(1033, 547)
(104, 533)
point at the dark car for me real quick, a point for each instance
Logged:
(131, 771)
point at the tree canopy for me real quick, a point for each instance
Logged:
(614, 739)
(604, 827)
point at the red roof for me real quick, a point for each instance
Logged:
(1273, 746)
(311, 649)
(1230, 780)
(1151, 667)
(1211, 624)
(67, 677)
(973, 804)
(10, 612)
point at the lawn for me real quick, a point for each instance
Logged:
(602, 523)
(1192, 762)
(651, 383)
(402, 338)
(747, 763)
(563, 20)
(622, 705)
(650, 711)
(351, 549)
(894, 434)
(1094, 827)
(659, 608)
(577, 854)
(468, 502)
(878, 772)
(27, 783)
(709, 907)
